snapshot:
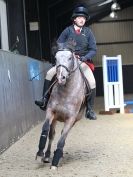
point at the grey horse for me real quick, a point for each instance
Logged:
(66, 104)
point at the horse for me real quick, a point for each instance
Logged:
(66, 103)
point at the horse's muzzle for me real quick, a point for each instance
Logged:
(61, 80)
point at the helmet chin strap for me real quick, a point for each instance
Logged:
(76, 26)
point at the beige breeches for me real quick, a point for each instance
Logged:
(86, 70)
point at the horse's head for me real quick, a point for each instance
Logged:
(64, 65)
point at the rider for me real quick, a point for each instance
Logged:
(85, 51)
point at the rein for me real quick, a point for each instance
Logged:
(51, 86)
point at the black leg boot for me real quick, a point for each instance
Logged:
(42, 143)
(90, 114)
(42, 103)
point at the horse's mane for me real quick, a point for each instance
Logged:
(68, 45)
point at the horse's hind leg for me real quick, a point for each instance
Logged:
(59, 151)
(44, 134)
(51, 138)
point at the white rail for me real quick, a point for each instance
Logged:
(113, 83)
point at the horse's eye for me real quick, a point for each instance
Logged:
(70, 58)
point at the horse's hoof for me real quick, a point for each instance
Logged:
(53, 168)
(39, 154)
(45, 160)
(38, 158)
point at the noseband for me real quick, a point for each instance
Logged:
(68, 70)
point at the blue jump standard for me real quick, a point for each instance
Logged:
(128, 102)
(112, 70)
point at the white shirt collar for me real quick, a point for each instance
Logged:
(77, 28)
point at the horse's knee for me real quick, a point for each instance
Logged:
(43, 139)
(45, 130)
(46, 126)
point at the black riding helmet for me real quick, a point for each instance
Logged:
(80, 11)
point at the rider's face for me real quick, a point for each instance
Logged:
(80, 21)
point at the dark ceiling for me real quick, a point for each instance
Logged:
(55, 15)
(102, 8)
(97, 8)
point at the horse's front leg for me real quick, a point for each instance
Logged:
(58, 154)
(45, 131)
(46, 159)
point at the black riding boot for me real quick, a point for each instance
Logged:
(90, 114)
(42, 103)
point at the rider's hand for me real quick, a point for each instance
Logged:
(83, 58)
(77, 56)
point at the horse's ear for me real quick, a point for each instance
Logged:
(54, 48)
(61, 46)
(71, 43)
(68, 45)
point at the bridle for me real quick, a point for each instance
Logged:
(69, 71)
(73, 58)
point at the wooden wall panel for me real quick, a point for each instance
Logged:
(115, 36)
(126, 50)
(113, 32)
(18, 113)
